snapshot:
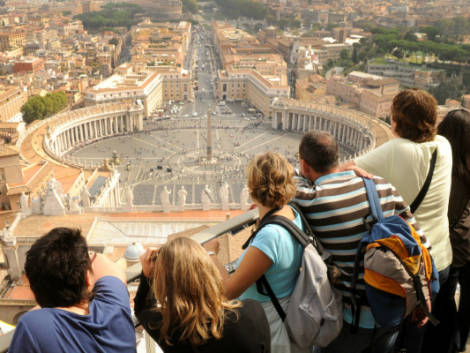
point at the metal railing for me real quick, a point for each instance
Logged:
(233, 226)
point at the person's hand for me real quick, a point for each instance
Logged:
(351, 165)
(419, 316)
(212, 245)
(147, 260)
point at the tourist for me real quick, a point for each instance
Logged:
(191, 313)
(273, 252)
(452, 332)
(335, 203)
(83, 298)
(405, 162)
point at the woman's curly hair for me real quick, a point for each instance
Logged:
(271, 179)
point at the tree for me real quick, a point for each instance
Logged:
(354, 53)
(344, 55)
(38, 107)
(190, 6)
(245, 8)
(33, 109)
(431, 32)
(114, 41)
(112, 15)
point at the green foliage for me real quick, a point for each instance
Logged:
(114, 41)
(190, 6)
(447, 89)
(66, 13)
(344, 55)
(242, 8)
(38, 107)
(113, 15)
(398, 42)
(451, 28)
(431, 32)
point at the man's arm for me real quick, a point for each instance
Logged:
(103, 266)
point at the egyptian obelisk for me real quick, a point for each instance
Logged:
(209, 136)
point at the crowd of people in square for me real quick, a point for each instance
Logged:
(188, 302)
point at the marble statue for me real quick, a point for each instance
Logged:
(182, 194)
(244, 196)
(6, 233)
(36, 205)
(165, 199)
(129, 195)
(53, 202)
(224, 196)
(85, 196)
(74, 206)
(24, 203)
(206, 198)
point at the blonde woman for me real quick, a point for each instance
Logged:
(191, 312)
(273, 252)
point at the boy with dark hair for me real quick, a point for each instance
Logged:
(83, 298)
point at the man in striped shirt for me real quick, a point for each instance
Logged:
(335, 203)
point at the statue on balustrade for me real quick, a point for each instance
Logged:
(85, 196)
(129, 195)
(24, 204)
(244, 197)
(224, 196)
(206, 198)
(165, 199)
(182, 194)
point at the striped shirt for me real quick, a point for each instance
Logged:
(336, 206)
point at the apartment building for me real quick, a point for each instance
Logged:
(407, 75)
(11, 101)
(152, 88)
(251, 71)
(129, 87)
(12, 39)
(369, 93)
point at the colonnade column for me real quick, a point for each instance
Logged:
(129, 124)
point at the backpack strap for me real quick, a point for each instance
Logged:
(377, 215)
(373, 198)
(261, 224)
(422, 193)
(307, 230)
(262, 285)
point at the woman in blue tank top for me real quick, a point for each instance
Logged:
(273, 252)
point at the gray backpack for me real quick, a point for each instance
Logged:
(314, 315)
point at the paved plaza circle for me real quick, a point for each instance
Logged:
(173, 153)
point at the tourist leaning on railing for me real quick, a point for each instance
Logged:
(180, 303)
(405, 162)
(273, 252)
(452, 333)
(83, 297)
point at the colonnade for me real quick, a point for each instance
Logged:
(90, 124)
(91, 130)
(346, 132)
